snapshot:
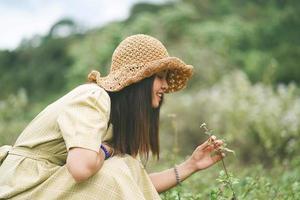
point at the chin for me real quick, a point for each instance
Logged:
(156, 105)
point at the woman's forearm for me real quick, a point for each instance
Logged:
(165, 180)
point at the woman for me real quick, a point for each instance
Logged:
(61, 153)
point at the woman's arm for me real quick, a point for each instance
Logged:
(200, 159)
(165, 180)
(83, 163)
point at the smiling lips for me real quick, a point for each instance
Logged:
(160, 95)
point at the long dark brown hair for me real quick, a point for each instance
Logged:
(135, 122)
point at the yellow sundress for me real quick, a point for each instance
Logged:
(34, 168)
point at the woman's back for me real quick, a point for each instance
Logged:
(45, 125)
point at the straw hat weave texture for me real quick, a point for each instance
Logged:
(138, 57)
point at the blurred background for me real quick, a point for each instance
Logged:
(246, 56)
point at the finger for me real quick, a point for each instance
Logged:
(216, 158)
(218, 143)
(204, 145)
(109, 148)
(207, 142)
(209, 148)
(213, 138)
(105, 145)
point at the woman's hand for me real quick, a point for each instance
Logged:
(200, 159)
(203, 156)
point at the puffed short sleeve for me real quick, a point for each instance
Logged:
(84, 120)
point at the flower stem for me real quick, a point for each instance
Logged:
(230, 185)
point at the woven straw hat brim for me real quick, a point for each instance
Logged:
(179, 74)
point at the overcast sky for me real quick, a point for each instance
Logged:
(24, 18)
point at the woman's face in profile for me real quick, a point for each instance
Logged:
(159, 87)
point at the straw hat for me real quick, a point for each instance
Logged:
(138, 57)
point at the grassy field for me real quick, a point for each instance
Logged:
(278, 182)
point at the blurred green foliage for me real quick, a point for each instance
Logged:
(12, 116)
(259, 37)
(245, 115)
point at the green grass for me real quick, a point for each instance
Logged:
(281, 181)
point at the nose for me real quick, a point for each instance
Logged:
(165, 85)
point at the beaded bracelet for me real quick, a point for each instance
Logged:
(178, 181)
(107, 155)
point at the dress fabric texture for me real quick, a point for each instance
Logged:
(34, 168)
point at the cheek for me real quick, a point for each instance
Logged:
(156, 84)
(155, 89)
